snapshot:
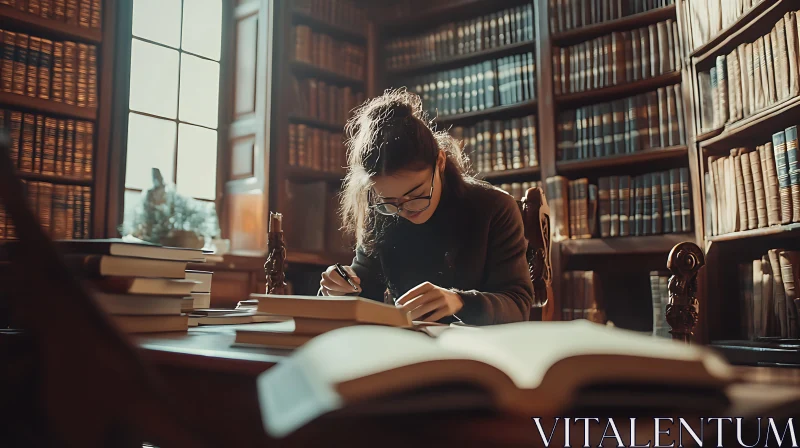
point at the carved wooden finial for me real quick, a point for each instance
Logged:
(275, 267)
(536, 216)
(684, 262)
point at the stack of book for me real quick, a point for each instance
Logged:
(650, 120)
(498, 145)
(582, 294)
(648, 204)
(659, 294)
(506, 27)
(329, 53)
(200, 297)
(317, 149)
(316, 315)
(142, 287)
(768, 292)
(752, 77)
(754, 188)
(617, 58)
(569, 14)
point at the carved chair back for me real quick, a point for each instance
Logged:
(536, 220)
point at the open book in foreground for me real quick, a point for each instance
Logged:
(529, 368)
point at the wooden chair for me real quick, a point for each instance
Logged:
(536, 219)
(69, 376)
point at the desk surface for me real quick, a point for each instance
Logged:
(204, 360)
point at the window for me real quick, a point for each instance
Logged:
(174, 97)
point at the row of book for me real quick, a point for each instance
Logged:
(707, 18)
(648, 204)
(509, 80)
(47, 145)
(343, 13)
(754, 188)
(769, 294)
(81, 13)
(315, 225)
(518, 189)
(659, 295)
(64, 211)
(569, 14)
(501, 144)
(617, 58)
(649, 120)
(752, 77)
(582, 297)
(326, 52)
(316, 149)
(505, 27)
(41, 68)
(328, 103)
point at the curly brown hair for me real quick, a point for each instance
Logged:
(387, 134)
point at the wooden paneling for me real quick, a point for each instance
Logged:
(246, 223)
(243, 157)
(246, 59)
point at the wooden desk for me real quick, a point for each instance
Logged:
(217, 383)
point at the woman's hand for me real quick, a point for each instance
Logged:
(332, 284)
(431, 302)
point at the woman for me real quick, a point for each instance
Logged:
(441, 244)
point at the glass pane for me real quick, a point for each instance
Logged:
(133, 202)
(158, 20)
(199, 91)
(151, 144)
(197, 161)
(202, 28)
(154, 79)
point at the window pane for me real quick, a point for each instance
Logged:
(197, 161)
(199, 91)
(154, 79)
(202, 27)
(158, 20)
(151, 144)
(133, 200)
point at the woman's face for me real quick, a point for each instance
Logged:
(409, 190)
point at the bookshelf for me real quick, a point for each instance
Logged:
(749, 238)
(634, 255)
(321, 72)
(55, 100)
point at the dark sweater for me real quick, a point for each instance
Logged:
(473, 244)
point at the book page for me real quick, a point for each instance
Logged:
(525, 351)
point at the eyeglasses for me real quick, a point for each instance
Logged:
(413, 205)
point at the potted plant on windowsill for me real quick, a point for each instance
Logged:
(167, 218)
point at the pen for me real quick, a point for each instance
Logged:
(345, 276)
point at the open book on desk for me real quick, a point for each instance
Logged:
(529, 368)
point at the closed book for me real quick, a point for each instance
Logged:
(740, 194)
(790, 263)
(614, 200)
(330, 307)
(656, 225)
(685, 197)
(95, 266)
(749, 190)
(666, 207)
(770, 173)
(137, 305)
(759, 189)
(793, 167)
(782, 172)
(151, 324)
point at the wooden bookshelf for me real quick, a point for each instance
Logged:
(462, 59)
(788, 230)
(528, 173)
(315, 123)
(312, 71)
(622, 160)
(95, 212)
(317, 259)
(757, 128)
(499, 112)
(15, 19)
(31, 104)
(754, 18)
(585, 33)
(575, 100)
(334, 30)
(307, 174)
(628, 245)
(64, 180)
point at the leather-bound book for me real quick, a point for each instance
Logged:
(770, 173)
(793, 166)
(749, 189)
(793, 53)
(740, 194)
(759, 189)
(790, 265)
(782, 172)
